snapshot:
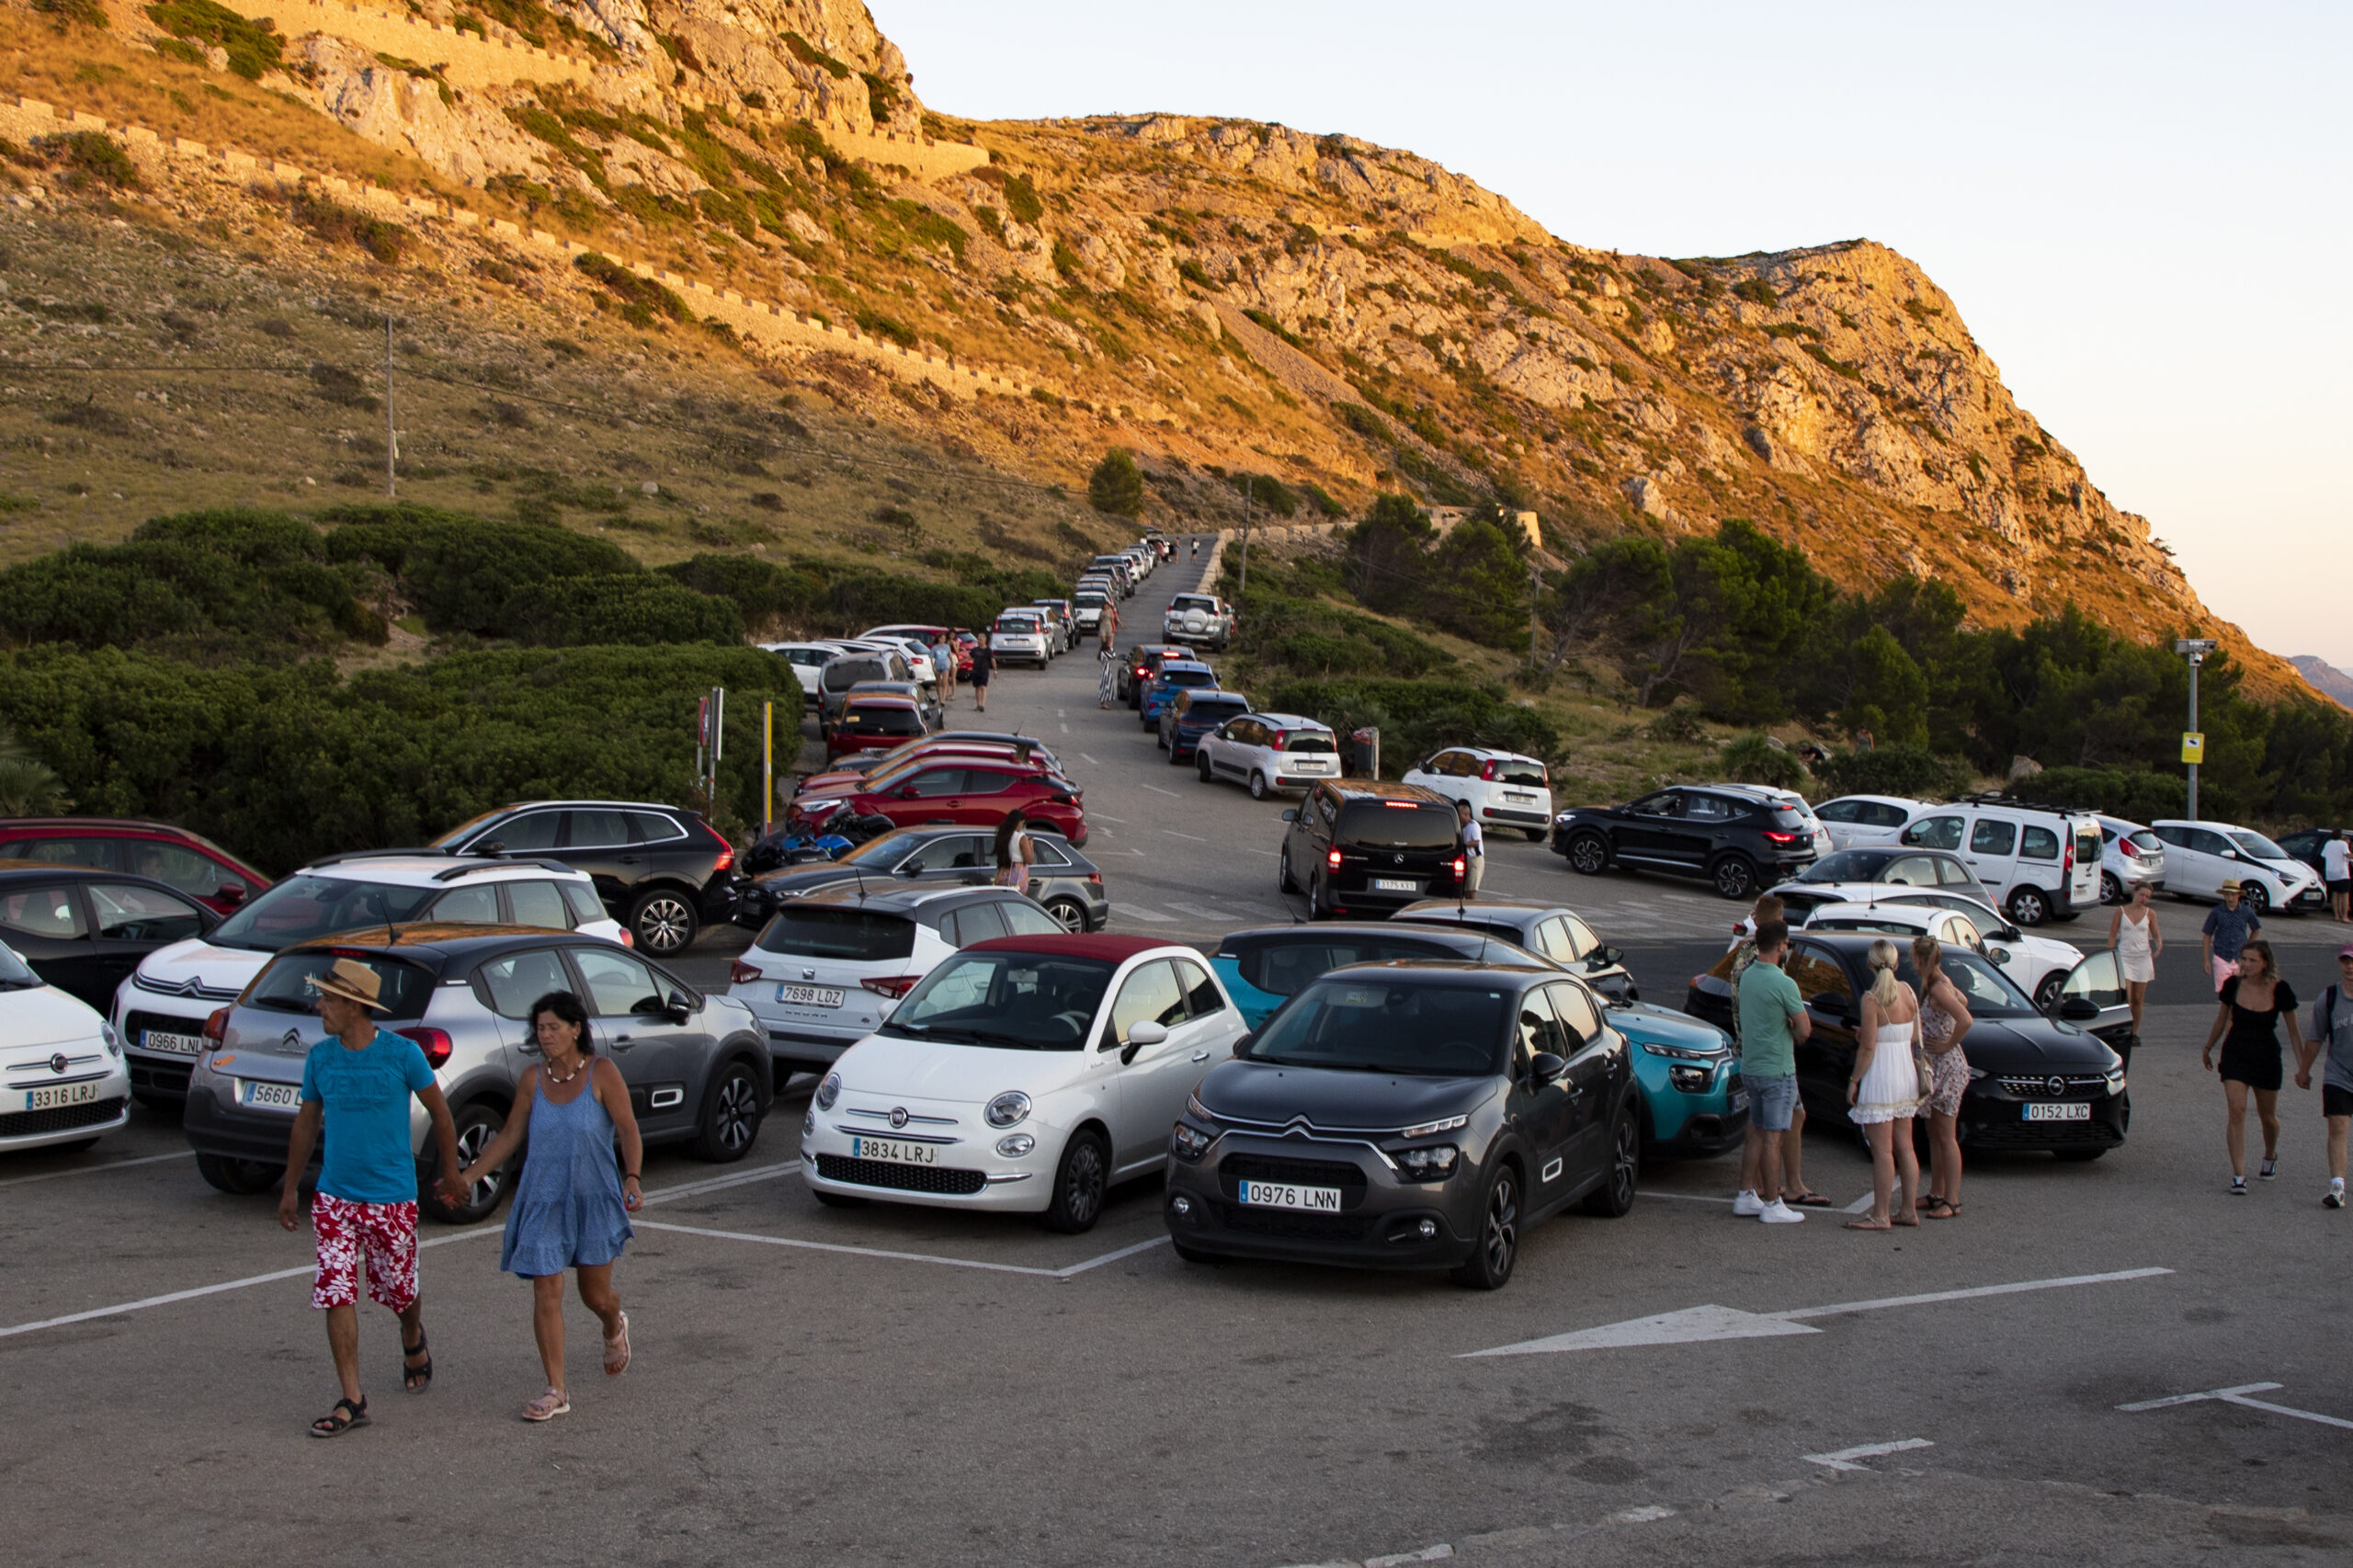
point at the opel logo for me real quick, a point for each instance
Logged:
(1399, 859)
(2055, 1084)
(898, 1116)
(57, 1063)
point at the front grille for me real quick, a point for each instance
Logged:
(2079, 1086)
(135, 1024)
(163, 1077)
(1289, 1223)
(1348, 1178)
(903, 1178)
(64, 1119)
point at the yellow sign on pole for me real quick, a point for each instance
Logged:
(2193, 745)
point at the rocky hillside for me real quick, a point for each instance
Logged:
(2326, 678)
(706, 201)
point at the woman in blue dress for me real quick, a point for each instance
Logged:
(571, 1206)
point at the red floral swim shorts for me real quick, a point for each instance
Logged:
(379, 1237)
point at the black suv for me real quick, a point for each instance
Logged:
(1359, 846)
(84, 931)
(662, 870)
(1738, 843)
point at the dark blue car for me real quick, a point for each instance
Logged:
(1174, 675)
(1194, 714)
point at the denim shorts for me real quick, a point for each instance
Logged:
(1772, 1102)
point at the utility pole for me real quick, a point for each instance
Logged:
(1535, 605)
(2193, 743)
(1243, 590)
(392, 437)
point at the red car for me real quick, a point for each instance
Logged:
(194, 865)
(980, 795)
(852, 772)
(873, 723)
(816, 803)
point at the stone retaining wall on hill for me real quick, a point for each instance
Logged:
(774, 325)
(469, 59)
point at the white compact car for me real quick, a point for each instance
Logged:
(1505, 789)
(1020, 635)
(1024, 1074)
(62, 1078)
(1867, 822)
(2042, 864)
(2201, 855)
(1267, 752)
(2038, 965)
(161, 1010)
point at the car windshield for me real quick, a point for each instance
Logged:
(15, 974)
(830, 931)
(2257, 846)
(1397, 825)
(1193, 601)
(1847, 866)
(1006, 1000)
(284, 986)
(1214, 710)
(1188, 677)
(1986, 988)
(1378, 1023)
(1520, 771)
(1310, 742)
(302, 908)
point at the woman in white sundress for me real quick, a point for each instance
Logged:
(1884, 1090)
(2132, 933)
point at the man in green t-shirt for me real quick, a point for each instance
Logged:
(1772, 1020)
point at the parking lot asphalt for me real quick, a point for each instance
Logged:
(905, 1386)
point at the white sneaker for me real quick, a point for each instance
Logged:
(2335, 1197)
(1779, 1213)
(1748, 1205)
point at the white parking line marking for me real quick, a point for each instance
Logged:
(1195, 910)
(1091, 763)
(1684, 1197)
(1149, 916)
(1695, 1324)
(2239, 1396)
(1158, 790)
(1862, 1205)
(93, 1170)
(884, 1253)
(1194, 837)
(1100, 817)
(1845, 1458)
(720, 1182)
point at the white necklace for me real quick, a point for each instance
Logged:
(570, 1076)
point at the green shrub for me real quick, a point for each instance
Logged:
(641, 298)
(337, 224)
(1894, 770)
(1022, 199)
(1361, 420)
(2135, 794)
(763, 593)
(810, 54)
(1756, 291)
(459, 571)
(90, 158)
(1754, 758)
(635, 610)
(1678, 723)
(890, 328)
(1418, 717)
(89, 13)
(253, 48)
(1116, 487)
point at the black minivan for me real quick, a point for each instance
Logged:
(1359, 846)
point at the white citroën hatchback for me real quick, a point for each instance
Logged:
(1024, 1074)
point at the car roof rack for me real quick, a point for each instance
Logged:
(340, 857)
(497, 863)
(2003, 798)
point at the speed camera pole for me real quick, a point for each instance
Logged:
(2193, 743)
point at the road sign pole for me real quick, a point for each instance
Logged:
(2194, 650)
(768, 766)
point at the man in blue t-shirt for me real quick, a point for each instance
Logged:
(355, 1088)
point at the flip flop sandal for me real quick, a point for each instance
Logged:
(618, 1344)
(1940, 1209)
(341, 1419)
(1807, 1200)
(548, 1407)
(416, 1379)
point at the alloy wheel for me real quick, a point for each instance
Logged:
(2257, 901)
(735, 1118)
(1735, 878)
(664, 923)
(2028, 907)
(1083, 1183)
(2110, 889)
(1071, 912)
(1257, 785)
(473, 1140)
(2047, 993)
(1588, 854)
(1625, 1163)
(1499, 1231)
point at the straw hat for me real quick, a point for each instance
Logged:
(352, 980)
(2231, 885)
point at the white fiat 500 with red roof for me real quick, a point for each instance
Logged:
(1025, 1074)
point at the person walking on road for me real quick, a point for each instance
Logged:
(1471, 844)
(355, 1094)
(983, 663)
(2253, 1001)
(1772, 1022)
(2134, 936)
(2228, 926)
(943, 664)
(1108, 682)
(1883, 1091)
(2331, 1030)
(1944, 1023)
(2337, 870)
(571, 1208)
(1014, 853)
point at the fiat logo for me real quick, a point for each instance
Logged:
(2055, 1084)
(57, 1063)
(898, 1116)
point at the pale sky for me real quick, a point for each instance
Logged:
(2141, 209)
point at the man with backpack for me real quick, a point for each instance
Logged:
(2331, 1030)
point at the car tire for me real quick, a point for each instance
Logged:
(1588, 853)
(1316, 908)
(2077, 1156)
(1284, 880)
(241, 1178)
(1535, 834)
(1071, 912)
(1175, 757)
(1258, 790)
(2030, 906)
(2110, 889)
(663, 922)
(1081, 1178)
(2046, 994)
(1735, 878)
(837, 1199)
(1496, 1251)
(477, 1124)
(1201, 765)
(1615, 1196)
(730, 1123)
(2258, 900)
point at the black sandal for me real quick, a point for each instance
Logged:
(341, 1419)
(1809, 1198)
(416, 1379)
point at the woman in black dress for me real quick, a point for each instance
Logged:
(2253, 1001)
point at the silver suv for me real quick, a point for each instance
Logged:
(1199, 620)
(696, 1066)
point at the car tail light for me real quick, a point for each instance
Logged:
(893, 986)
(1773, 837)
(2124, 847)
(1333, 859)
(628, 938)
(726, 857)
(216, 1028)
(435, 1043)
(2068, 859)
(1094, 877)
(740, 973)
(1403, 805)
(1282, 739)
(1458, 867)
(1487, 770)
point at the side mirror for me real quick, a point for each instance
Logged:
(909, 870)
(677, 1007)
(231, 893)
(1548, 1068)
(2078, 1009)
(1139, 1036)
(907, 792)
(1290, 813)
(489, 846)
(2229, 854)
(1608, 957)
(2009, 934)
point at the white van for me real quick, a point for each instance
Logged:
(2042, 862)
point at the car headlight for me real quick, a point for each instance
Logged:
(1682, 1052)
(2115, 1081)
(113, 1040)
(1017, 1145)
(1433, 1163)
(1690, 1080)
(829, 1091)
(1189, 1143)
(1425, 1129)
(1010, 1109)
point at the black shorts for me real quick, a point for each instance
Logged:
(2334, 1101)
(2340, 887)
